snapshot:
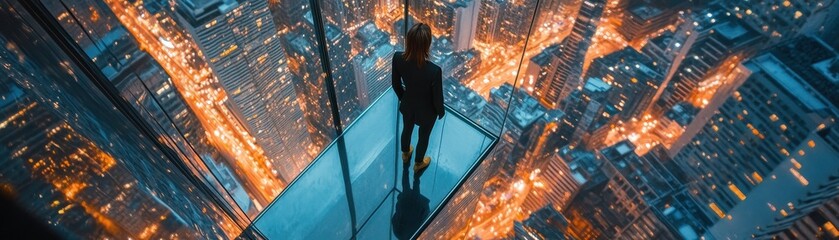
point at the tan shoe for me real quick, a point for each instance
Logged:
(406, 156)
(422, 165)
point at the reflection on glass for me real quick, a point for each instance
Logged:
(246, 167)
(361, 36)
(142, 81)
(64, 162)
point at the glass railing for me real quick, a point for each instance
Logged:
(358, 187)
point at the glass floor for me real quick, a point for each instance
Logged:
(359, 188)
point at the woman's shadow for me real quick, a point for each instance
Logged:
(411, 207)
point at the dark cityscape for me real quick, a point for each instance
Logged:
(275, 119)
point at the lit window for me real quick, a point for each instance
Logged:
(773, 117)
(716, 210)
(801, 152)
(811, 143)
(831, 229)
(800, 178)
(734, 189)
(795, 163)
(783, 127)
(756, 176)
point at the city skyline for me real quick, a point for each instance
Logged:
(615, 119)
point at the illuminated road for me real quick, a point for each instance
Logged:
(500, 64)
(496, 221)
(196, 83)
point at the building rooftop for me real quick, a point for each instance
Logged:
(790, 81)
(596, 85)
(646, 12)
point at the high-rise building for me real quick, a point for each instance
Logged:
(813, 60)
(307, 75)
(804, 178)
(466, 24)
(808, 167)
(668, 50)
(241, 44)
(343, 73)
(572, 51)
(757, 129)
(504, 22)
(722, 40)
(647, 17)
(781, 20)
(633, 80)
(622, 201)
(559, 178)
(348, 15)
(145, 84)
(588, 113)
(541, 67)
(536, 143)
(63, 161)
(546, 223)
(462, 65)
(813, 217)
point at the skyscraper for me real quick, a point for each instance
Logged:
(546, 223)
(633, 79)
(754, 131)
(720, 38)
(646, 17)
(348, 15)
(144, 83)
(240, 42)
(621, 201)
(466, 24)
(504, 22)
(572, 51)
(783, 20)
(808, 168)
(63, 162)
(588, 113)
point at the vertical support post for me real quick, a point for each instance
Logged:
(320, 35)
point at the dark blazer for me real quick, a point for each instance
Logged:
(422, 96)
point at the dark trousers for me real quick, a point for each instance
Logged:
(424, 135)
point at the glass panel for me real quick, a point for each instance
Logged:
(145, 84)
(232, 84)
(380, 225)
(371, 163)
(315, 200)
(480, 46)
(361, 37)
(372, 166)
(455, 141)
(72, 159)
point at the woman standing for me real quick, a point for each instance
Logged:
(421, 97)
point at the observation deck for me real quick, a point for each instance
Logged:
(358, 187)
